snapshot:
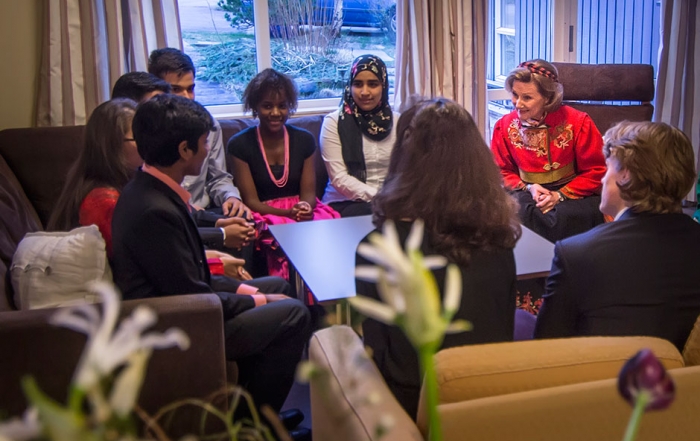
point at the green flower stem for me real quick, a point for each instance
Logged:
(636, 417)
(431, 392)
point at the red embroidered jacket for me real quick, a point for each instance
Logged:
(566, 149)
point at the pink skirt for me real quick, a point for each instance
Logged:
(277, 262)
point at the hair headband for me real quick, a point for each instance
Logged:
(532, 67)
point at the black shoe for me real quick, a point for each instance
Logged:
(291, 418)
(300, 434)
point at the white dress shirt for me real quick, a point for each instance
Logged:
(342, 186)
(214, 184)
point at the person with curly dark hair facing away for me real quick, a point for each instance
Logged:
(441, 171)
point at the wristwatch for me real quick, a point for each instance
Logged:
(561, 196)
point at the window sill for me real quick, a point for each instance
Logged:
(308, 107)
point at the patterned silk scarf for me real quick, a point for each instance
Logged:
(354, 122)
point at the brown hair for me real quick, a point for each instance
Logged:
(442, 171)
(544, 75)
(100, 163)
(660, 162)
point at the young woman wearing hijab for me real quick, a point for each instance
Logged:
(357, 139)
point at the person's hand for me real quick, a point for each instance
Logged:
(548, 202)
(233, 266)
(275, 297)
(538, 192)
(239, 232)
(304, 212)
(233, 207)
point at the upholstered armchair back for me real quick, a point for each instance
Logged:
(592, 87)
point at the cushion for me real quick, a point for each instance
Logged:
(350, 400)
(18, 218)
(54, 268)
(576, 412)
(691, 350)
(477, 371)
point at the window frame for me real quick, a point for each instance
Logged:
(500, 32)
(563, 27)
(318, 106)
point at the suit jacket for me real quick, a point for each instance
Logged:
(158, 250)
(488, 302)
(635, 276)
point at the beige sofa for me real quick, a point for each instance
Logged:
(534, 390)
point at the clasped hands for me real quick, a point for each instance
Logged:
(545, 199)
(301, 211)
(239, 232)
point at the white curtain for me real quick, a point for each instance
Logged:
(441, 51)
(678, 79)
(88, 44)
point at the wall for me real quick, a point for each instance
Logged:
(20, 39)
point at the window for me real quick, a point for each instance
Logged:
(580, 31)
(504, 35)
(618, 31)
(313, 41)
(522, 30)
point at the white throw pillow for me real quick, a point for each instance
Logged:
(54, 268)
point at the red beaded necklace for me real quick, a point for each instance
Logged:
(285, 176)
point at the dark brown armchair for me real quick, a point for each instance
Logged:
(31, 346)
(591, 87)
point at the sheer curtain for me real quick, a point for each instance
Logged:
(441, 51)
(678, 79)
(88, 44)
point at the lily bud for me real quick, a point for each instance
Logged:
(644, 373)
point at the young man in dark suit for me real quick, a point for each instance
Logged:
(158, 251)
(639, 274)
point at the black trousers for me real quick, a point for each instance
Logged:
(352, 208)
(267, 343)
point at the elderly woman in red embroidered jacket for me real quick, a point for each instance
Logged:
(550, 155)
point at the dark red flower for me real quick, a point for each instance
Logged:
(644, 372)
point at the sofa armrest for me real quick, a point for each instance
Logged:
(31, 346)
(341, 407)
(576, 412)
(478, 371)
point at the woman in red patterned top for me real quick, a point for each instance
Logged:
(105, 164)
(550, 155)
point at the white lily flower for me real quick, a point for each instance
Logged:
(26, 428)
(105, 349)
(128, 384)
(407, 288)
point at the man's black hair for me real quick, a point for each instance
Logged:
(136, 85)
(163, 122)
(168, 59)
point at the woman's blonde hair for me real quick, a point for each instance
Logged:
(546, 78)
(660, 162)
